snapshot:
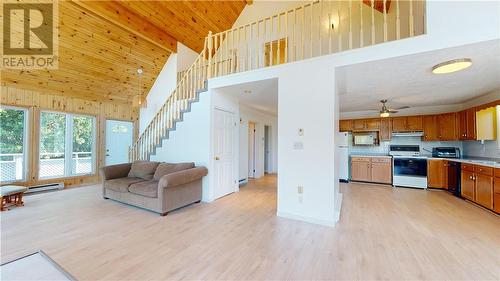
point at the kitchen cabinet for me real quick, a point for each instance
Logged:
(447, 127)
(407, 124)
(496, 191)
(361, 169)
(371, 169)
(468, 185)
(385, 129)
(437, 173)
(486, 124)
(372, 124)
(478, 184)
(471, 124)
(484, 190)
(462, 125)
(345, 125)
(442, 127)
(431, 128)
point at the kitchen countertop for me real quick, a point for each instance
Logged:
(488, 162)
(370, 155)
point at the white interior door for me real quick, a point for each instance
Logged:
(119, 136)
(224, 153)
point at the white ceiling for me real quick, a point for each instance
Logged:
(408, 80)
(263, 95)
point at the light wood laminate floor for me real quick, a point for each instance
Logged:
(384, 233)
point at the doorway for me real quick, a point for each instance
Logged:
(224, 178)
(119, 137)
(267, 149)
(251, 149)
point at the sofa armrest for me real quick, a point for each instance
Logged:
(182, 177)
(115, 171)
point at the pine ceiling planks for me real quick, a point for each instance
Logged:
(102, 43)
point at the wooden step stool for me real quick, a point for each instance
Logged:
(11, 195)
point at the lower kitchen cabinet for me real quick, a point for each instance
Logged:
(468, 185)
(484, 191)
(496, 191)
(478, 185)
(360, 169)
(437, 173)
(371, 169)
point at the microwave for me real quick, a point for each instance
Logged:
(365, 139)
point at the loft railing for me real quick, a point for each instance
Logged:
(314, 29)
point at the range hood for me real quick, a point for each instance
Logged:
(408, 134)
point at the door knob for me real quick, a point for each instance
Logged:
(217, 158)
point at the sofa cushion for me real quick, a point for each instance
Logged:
(121, 184)
(145, 188)
(143, 169)
(168, 168)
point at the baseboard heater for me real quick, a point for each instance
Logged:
(45, 187)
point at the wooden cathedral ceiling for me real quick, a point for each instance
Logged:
(102, 43)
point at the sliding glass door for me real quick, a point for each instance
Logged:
(13, 144)
(67, 145)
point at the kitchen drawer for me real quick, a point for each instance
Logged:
(497, 172)
(381, 160)
(488, 171)
(360, 159)
(467, 167)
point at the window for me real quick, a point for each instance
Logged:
(13, 144)
(67, 145)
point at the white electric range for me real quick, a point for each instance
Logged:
(409, 169)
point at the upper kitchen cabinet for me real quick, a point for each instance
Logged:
(442, 127)
(385, 129)
(372, 124)
(462, 125)
(486, 128)
(431, 128)
(407, 124)
(448, 127)
(471, 124)
(345, 125)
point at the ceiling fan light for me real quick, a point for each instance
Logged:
(384, 114)
(451, 66)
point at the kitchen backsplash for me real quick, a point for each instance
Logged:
(469, 148)
(425, 147)
(489, 149)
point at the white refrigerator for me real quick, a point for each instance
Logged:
(342, 146)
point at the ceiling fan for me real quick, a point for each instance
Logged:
(386, 112)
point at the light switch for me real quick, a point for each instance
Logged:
(300, 189)
(298, 145)
(301, 132)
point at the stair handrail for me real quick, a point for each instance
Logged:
(186, 89)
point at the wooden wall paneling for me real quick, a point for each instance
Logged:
(36, 102)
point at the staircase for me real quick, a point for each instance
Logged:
(315, 29)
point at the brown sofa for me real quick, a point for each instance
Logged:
(159, 187)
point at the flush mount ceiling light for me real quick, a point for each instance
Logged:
(451, 66)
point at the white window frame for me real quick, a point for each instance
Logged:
(68, 145)
(25, 142)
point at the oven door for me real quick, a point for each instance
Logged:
(413, 167)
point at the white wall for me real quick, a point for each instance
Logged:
(190, 142)
(162, 88)
(185, 57)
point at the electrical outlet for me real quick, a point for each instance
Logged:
(300, 198)
(300, 189)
